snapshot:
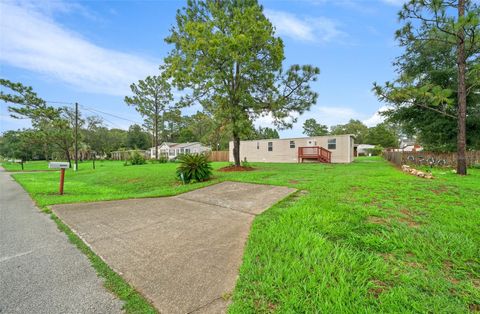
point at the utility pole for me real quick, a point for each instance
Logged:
(76, 137)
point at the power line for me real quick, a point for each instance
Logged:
(93, 110)
(112, 123)
(107, 113)
(59, 102)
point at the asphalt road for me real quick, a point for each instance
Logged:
(40, 271)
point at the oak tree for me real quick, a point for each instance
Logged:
(226, 56)
(312, 128)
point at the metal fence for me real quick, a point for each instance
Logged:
(430, 158)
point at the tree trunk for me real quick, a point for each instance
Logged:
(69, 159)
(236, 148)
(462, 95)
(156, 129)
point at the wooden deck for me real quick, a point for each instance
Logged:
(317, 153)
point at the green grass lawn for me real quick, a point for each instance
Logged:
(365, 237)
(27, 166)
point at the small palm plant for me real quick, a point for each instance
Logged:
(194, 167)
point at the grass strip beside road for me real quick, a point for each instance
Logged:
(134, 302)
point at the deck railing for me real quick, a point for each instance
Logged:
(314, 152)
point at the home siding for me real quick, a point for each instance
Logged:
(281, 151)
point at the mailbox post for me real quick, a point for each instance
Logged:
(62, 166)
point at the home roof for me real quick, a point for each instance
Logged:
(299, 138)
(179, 145)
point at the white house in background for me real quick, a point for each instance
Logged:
(172, 150)
(331, 148)
(362, 149)
(409, 145)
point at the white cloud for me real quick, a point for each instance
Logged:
(328, 115)
(376, 118)
(32, 40)
(310, 29)
(331, 115)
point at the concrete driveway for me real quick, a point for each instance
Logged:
(182, 253)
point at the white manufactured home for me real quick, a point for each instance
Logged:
(331, 148)
(173, 150)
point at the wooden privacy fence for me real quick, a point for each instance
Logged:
(219, 155)
(430, 158)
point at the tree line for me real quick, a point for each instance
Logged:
(384, 134)
(52, 133)
(226, 58)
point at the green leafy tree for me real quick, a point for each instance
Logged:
(116, 139)
(21, 144)
(312, 128)
(262, 133)
(151, 97)
(53, 126)
(382, 135)
(355, 127)
(431, 26)
(227, 55)
(137, 138)
(266, 133)
(95, 134)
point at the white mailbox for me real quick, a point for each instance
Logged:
(58, 165)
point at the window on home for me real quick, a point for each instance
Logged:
(292, 144)
(172, 152)
(332, 143)
(258, 145)
(270, 146)
(187, 150)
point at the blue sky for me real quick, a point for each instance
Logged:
(90, 51)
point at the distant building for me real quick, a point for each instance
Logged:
(172, 150)
(331, 148)
(362, 149)
(409, 145)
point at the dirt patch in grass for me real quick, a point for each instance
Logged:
(448, 268)
(265, 307)
(235, 168)
(293, 181)
(440, 190)
(447, 265)
(411, 223)
(377, 220)
(414, 265)
(476, 283)
(134, 180)
(387, 256)
(408, 219)
(475, 307)
(379, 288)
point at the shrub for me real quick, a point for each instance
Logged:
(161, 160)
(245, 163)
(194, 167)
(376, 151)
(137, 159)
